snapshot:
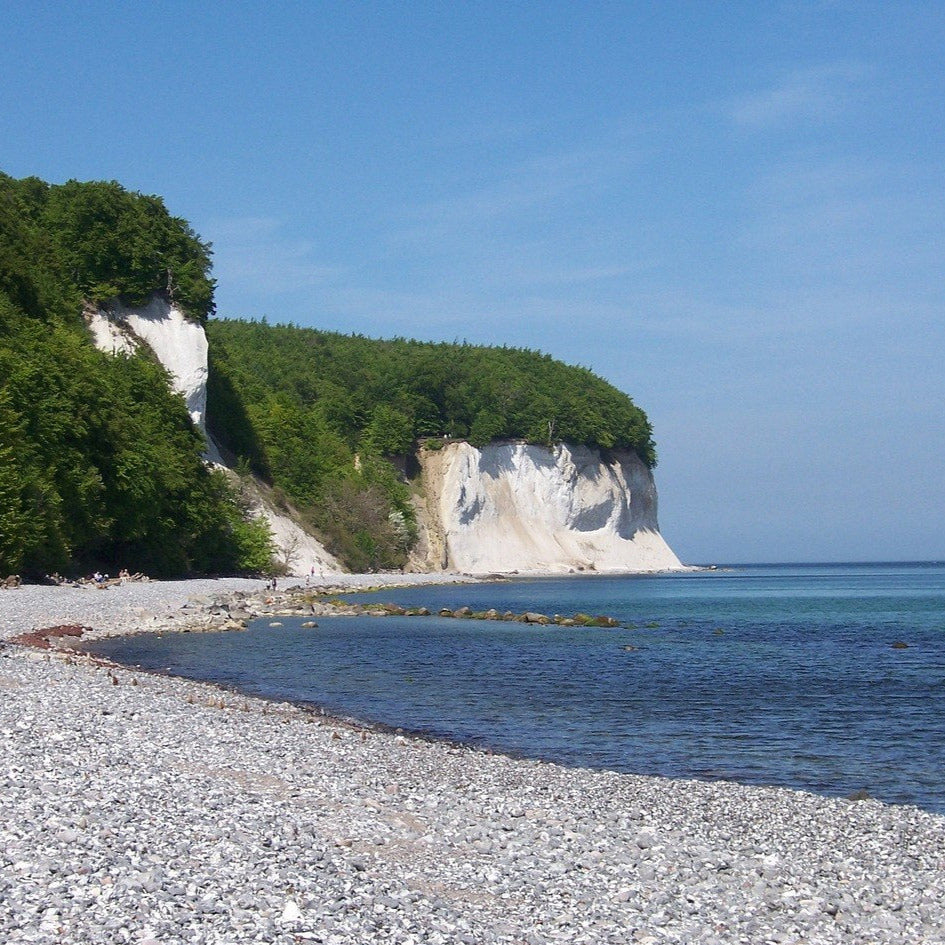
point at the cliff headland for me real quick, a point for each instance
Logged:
(139, 431)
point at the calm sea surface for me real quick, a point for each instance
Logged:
(767, 675)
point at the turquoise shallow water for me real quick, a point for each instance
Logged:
(767, 675)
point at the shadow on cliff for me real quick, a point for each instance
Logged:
(229, 424)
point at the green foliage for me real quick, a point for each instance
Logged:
(99, 461)
(356, 519)
(96, 241)
(253, 540)
(228, 416)
(486, 427)
(382, 396)
(115, 243)
(389, 433)
(324, 416)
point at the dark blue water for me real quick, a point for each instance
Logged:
(766, 675)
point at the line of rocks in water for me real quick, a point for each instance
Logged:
(234, 611)
(467, 613)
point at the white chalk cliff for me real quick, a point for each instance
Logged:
(514, 507)
(178, 343)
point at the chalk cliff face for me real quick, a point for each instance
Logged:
(179, 344)
(515, 507)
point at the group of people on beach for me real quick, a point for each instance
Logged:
(99, 578)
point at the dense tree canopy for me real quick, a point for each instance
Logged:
(387, 394)
(320, 414)
(99, 461)
(97, 242)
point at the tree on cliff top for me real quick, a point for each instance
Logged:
(102, 241)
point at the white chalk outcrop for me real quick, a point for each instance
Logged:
(178, 343)
(110, 335)
(514, 507)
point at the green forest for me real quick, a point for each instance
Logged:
(101, 465)
(99, 462)
(320, 414)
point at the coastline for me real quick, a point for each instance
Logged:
(177, 811)
(149, 606)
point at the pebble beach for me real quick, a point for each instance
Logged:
(143, 809)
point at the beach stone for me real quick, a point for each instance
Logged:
(646, 839)
(531, 617)
(604, 621)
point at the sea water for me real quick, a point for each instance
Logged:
(829, 678)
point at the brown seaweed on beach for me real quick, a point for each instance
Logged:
(40, 639)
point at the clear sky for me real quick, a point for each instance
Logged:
(732, 211)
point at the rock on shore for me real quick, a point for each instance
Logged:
(143, 809)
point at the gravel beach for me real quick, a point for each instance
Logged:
(156, 811)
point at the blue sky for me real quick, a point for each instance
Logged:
(734, 212)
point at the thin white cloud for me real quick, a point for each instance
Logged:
(541, 184)
(810, 95)
(845, 222)
(574, 275)
(254, 254)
